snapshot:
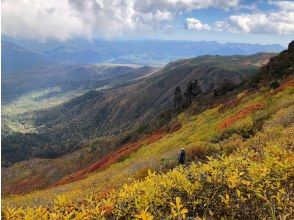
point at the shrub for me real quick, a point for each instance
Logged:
(200, 152)
(274, 84)
(236, 186)
(243, 170)
(241, 114)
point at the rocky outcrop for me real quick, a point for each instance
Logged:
(281, 65)
(291, 46)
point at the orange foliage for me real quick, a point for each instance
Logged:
(110, 159)
(241, 114)
(106, 161)
(28, 184)
(104, 194)
(175, 127)
(154, 137)
(107, 209)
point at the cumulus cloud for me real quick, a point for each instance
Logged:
(64, 19)
(195, 24)
(118, 17)
(42, 19)
(279, 22)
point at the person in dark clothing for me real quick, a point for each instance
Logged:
(182, 156)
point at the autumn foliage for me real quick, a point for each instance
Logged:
(29, 183)
(235, 177)
(110, 158)
(241, 114)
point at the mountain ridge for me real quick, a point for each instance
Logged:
(15, 58)
(110, 111)
(148, 52)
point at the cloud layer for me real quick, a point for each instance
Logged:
(65, 19)
(42, 20)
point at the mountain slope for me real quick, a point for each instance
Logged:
(150, 95)
(69, 77)
(237, 148)
(124, 109)
(27, 93)
(281, 65)
(267, 152)
(15, 58)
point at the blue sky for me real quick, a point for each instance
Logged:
(211, 15)
(261, 21)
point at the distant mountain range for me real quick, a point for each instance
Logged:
(19, 55)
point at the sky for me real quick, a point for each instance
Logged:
(246, 21)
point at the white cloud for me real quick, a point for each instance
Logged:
(284, 5)
(64, 19)
(224, 26)
(278, 22)
(195, 24)
(118, 17)
(41, 19)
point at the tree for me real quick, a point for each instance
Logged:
(192, 90)
(189, 92)
(196, 88)
(274, 84)
(178, 98)
(211, 87)
(224, 87)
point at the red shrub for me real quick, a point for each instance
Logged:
(110, 159)
(154, 137)
(26, 185)
(241, 114)
(106, 161)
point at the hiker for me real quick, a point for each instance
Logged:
(181, 157)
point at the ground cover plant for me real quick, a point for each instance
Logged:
(239, 171)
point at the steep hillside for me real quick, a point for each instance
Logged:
(27, 93)
(234, 176)
(281, 65)
(124, 110)
(240, 165)
(109, 112)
